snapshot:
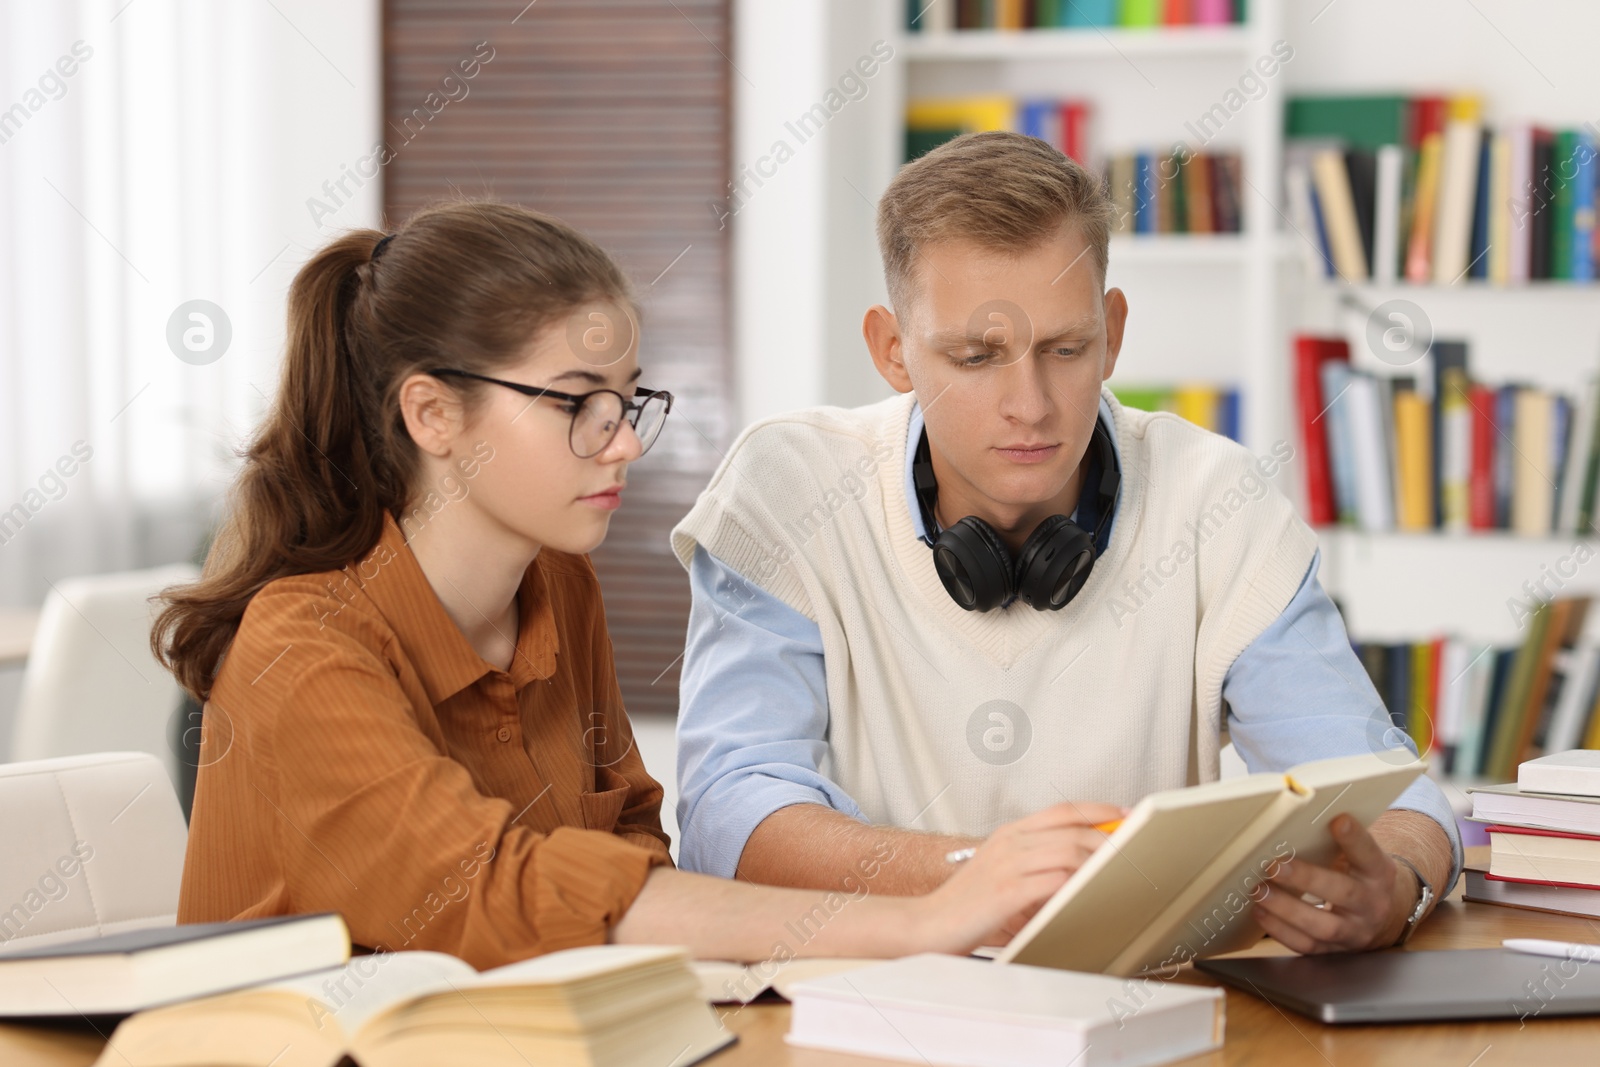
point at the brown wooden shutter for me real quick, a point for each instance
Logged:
(612, 115)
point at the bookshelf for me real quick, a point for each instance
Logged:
(1229, 304)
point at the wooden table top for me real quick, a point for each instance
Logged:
(17, 626)
(1257, 1032)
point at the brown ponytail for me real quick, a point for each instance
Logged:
(465, 284)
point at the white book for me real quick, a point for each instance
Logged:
(1454, 683)
(964, 1012)
(939, 17)
(1521, 197)
(1303, 215)
(1386, 218)
(1335, 375)
(1458, 182)
(1475, 710)
(1571, 713)
(1577, 465)
(1571, 773)
(1511, 806)
(1374, 480)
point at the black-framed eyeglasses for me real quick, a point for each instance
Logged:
(597, 416)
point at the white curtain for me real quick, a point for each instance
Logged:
(154, 153)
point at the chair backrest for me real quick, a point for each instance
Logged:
(89, 846)
(91, 684)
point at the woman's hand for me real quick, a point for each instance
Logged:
(1014, 872)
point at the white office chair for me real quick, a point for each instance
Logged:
(89, 846)
(91, 684)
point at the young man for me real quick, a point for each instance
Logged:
(840, 704)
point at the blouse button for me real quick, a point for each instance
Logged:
(504, 733)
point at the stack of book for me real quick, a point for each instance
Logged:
(1215, 408)
(946, 15)
(1437, 450)
(1063, 123)
(1544, 837)
(1477, 711)
(1421, 189)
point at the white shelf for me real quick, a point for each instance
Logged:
(1089, 43)
(1206, 249)
(1474, 288)
(1409, 586)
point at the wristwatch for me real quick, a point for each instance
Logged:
(1424, 900)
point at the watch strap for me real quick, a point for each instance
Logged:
(1425, 897)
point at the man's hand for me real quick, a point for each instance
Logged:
(1367, 895)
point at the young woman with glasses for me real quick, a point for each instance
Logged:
(411, 712)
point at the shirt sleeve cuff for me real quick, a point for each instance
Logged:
(584, 881)
(714, 845)
(1425, 797)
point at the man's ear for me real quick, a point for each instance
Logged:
(1116, 322)
(882, 332)
(433, 412)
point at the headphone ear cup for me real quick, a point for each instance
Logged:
(1054, 563)
(974, 565)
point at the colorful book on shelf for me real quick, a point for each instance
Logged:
(1458, 177)
(1210, 407)
(1436, 196)
(1340, 441)
(1312, 405)
(1162, 192)
(947, 15)
(1413, 462)
(1139, 14)
(1452, 435)
(1464, 704)
(1478, 263)
(931, 122)
(1480, 482)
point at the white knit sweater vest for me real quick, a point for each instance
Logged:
(947, 720)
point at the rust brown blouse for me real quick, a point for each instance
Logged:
(361, 757)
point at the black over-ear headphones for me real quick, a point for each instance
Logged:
(1055, 561)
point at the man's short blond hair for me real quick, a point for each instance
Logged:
(1002, 191)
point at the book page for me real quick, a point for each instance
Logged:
(1215, 915)
(350, 995)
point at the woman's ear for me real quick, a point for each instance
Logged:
(882, 332)
(433, 412)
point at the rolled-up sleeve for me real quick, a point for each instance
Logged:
(752, 719)
(1298, 693)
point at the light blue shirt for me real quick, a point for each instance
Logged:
(753, 713)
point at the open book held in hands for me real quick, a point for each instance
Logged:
(1178, 879)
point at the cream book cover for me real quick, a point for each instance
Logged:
(1176, 881)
